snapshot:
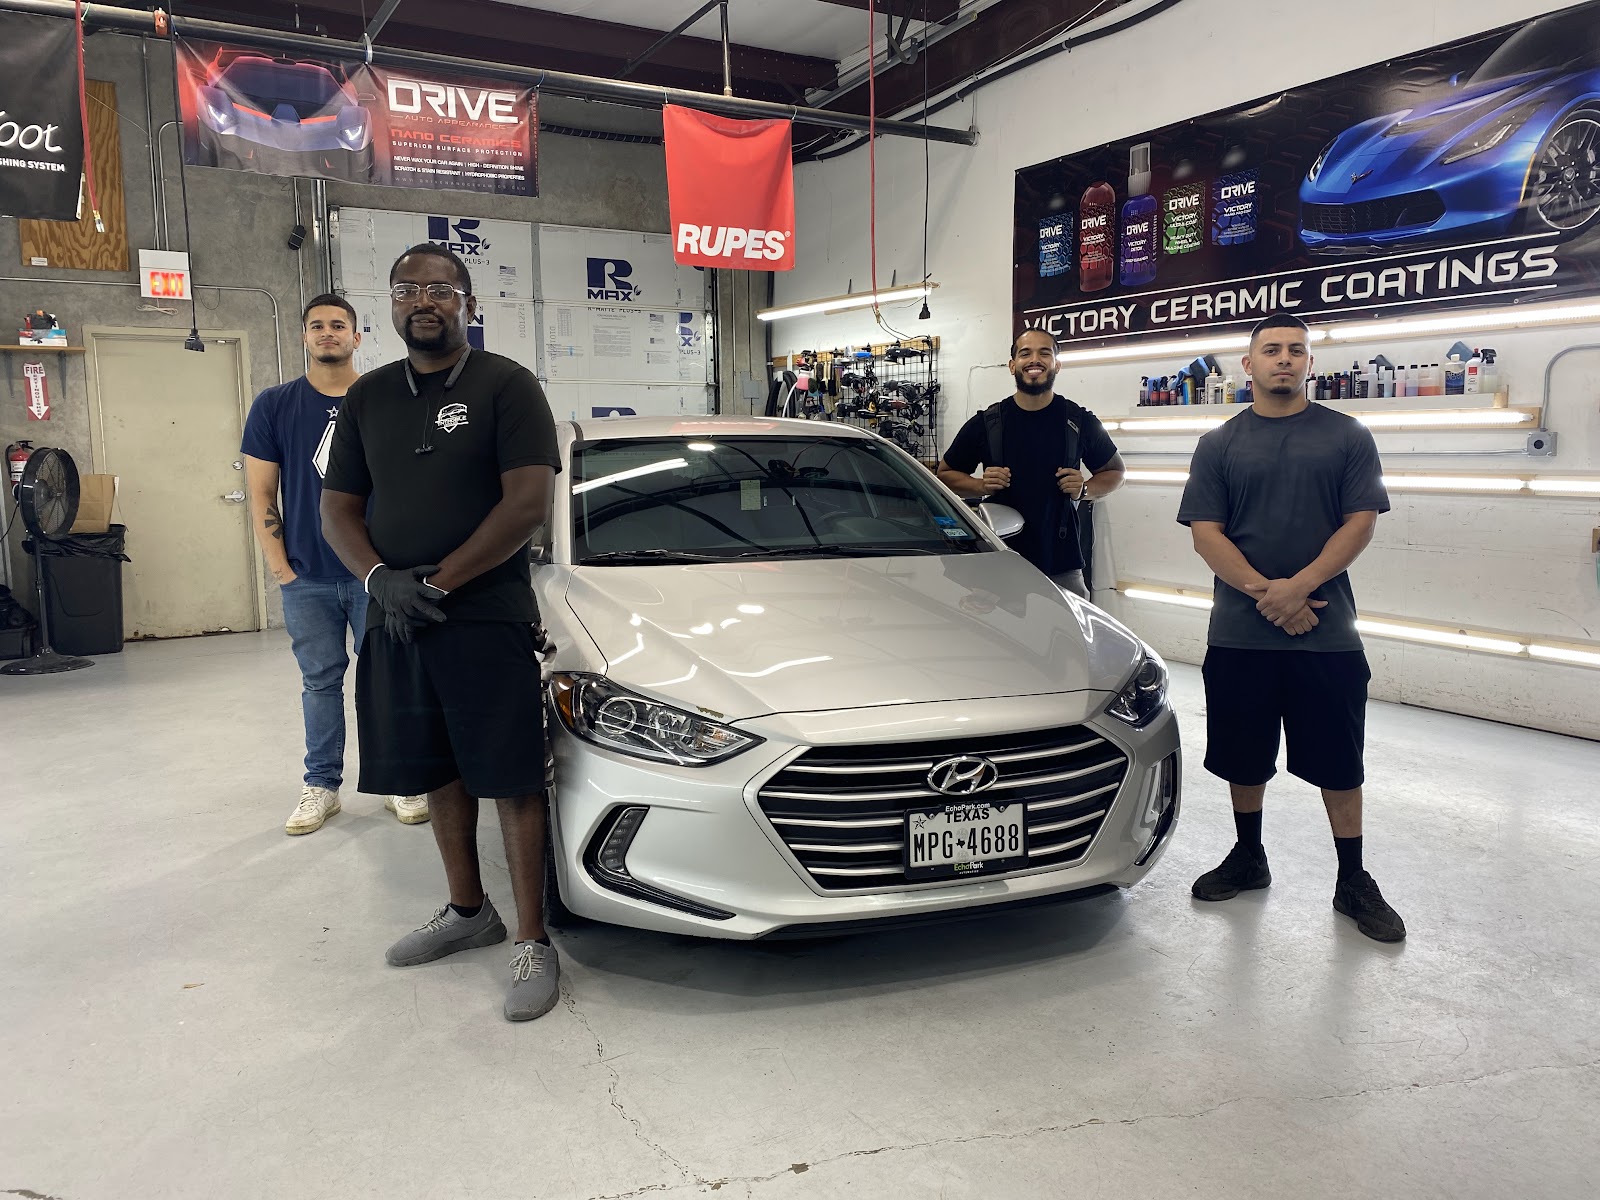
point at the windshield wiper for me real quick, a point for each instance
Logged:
(834, 552)
(622, 558)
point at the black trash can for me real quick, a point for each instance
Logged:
(83, 586)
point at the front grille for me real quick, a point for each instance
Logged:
(841, 809)
(1372, 216)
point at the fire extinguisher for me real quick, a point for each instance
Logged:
(17, 455)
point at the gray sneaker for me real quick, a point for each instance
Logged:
(535, 982)
(447, 932)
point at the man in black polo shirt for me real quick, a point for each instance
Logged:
(456, 450)
(1033, 446)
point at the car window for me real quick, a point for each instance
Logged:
(281, 83)
(752, 497)
(1561, 41)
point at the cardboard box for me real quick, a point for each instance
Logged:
(97, 496)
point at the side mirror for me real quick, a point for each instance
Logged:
(1003, 519)
(1455, 80)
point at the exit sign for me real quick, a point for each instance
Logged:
(164, 275)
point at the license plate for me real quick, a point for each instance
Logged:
(965, 839)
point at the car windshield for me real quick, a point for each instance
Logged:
(1563, 41)
(721, 498)
(303, 87)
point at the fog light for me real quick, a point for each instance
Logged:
(607, 862)
(1162, 807)
(613, 856)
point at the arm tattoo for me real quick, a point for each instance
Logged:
(273, 520)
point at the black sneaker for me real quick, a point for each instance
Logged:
(1244, 870)
(1358, 897)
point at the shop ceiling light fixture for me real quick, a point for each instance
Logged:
(1504, 485)
(909, 291)
(1346, 331)
(1393, 629)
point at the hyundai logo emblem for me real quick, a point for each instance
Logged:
(964, 776)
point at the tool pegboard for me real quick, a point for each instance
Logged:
(891, 388)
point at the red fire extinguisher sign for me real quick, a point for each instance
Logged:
(38, 391)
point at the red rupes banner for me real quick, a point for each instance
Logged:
(730, 190)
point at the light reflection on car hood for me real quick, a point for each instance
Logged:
(802, 635)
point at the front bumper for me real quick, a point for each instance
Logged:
(705, 839)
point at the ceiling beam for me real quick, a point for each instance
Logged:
(994, 36)
(530, 37)
(939, 11)
(381, 18)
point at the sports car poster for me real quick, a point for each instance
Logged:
(1467, 175)
(291, 114)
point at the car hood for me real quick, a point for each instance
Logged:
(1387, 153)
(804, 635)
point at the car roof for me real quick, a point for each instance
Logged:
(691, 424)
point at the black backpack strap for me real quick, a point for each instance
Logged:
(992, 427)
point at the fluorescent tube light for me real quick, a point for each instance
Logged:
(1181, 599)
(1454, 483)
(1445, 416)
(1168, 424)
(909, 291)
(1564, 654)
(1438, 637)
(1140, 475)
(1504, 318)
(1565, 487)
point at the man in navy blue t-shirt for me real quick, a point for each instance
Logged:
(285, 448)
(1033, 447)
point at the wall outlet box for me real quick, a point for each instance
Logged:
(1541, 444)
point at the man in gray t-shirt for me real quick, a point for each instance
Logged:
(1280, 501)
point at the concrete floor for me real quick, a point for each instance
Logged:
(196, 1005)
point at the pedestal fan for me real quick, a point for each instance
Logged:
(48, 497)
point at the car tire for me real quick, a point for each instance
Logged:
(556, 912)
(1548, 210)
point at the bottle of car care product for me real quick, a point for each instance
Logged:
(1433, 380)
(1097, 239)
(1144, 390)
(1474, 374)
(1230, 391)
(1183, 215)
(1455, 377)
(1214, 387)
(1489, 373)
(1411, 380)
(1055, 244)
(1234, 209)
(1139, 222)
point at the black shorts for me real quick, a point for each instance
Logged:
(1318, 700)
(463, 701)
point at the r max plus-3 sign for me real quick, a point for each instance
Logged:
(1465, 175)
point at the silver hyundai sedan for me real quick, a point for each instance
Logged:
(799, 687)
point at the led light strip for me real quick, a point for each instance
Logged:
(1579, 654)
(1393, 420)
(909, 291)
(1507, 485)
(1349, 331)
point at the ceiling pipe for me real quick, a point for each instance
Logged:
(556, 83)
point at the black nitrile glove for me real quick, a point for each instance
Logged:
(406, 598)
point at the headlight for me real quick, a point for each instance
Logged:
(1316, 167)
(1489, 136)
(222, 114)
(599, 711)
(1142, 698)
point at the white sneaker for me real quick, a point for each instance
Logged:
(412, 810)
(316, 806)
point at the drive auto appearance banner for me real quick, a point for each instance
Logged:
(41, 124)
(292, 114)
(1463, 176)
(730, 190)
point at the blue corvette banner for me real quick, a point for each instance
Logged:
(279, 114)
(1465, 175)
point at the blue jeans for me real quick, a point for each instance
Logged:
(317, 612)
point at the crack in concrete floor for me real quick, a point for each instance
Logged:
(701, 1182)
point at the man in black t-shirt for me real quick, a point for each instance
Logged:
(456, 450)
(1033, 447)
